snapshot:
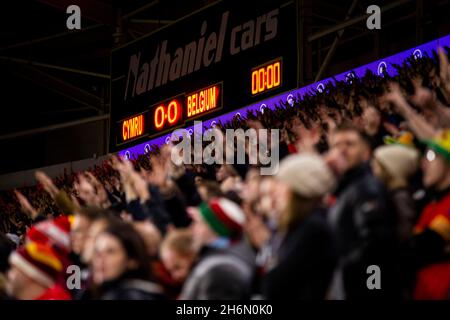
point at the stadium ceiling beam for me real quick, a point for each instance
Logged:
(368, 32)
(333, 47)
(55, 67)
(59, 86)
(58, 126)
(51, 112)
(139, 10)
(48, 38)
(151, 21)
(353, 21)
(331, 21)
(94, 10)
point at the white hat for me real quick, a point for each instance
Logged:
(306, 174)
(400, 161)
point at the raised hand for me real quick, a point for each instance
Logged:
(255, 124)
(102, 196)
(47, 183)
(25, 205)
(444, 74)
(86, 190)
(306, 138)
(422, 97)
(140, 186)
(421, 128)
(396, 97)
(160, 167)
(125, 177)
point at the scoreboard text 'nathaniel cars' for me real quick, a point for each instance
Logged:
(219, 59)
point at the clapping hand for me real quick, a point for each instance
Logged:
(25, 205)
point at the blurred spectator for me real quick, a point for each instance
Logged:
(302, 259)
(178, 254)
(34, 274)
(6, 247)
(362, 220)
(121, 266)
(373, 126)
(394, 165)
(224, 265)
(428, 250)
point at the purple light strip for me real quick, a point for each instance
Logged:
(375, 67)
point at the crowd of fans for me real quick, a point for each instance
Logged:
(363, 184)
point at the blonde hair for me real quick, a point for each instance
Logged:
(180, 241)
(392, 181)
(296, 209)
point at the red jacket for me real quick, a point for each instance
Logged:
(433, 281)
(55, 293)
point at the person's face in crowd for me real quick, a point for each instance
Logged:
(203, 192)
(94, 230)
(201, 231)
(335, 161)
(110, 260)
(250, 190)
(371, 120)
(78, 233)
(351, 147)
(283, 196)
(436, 171)
(87, 192)
(18, 282)
(231, 184)
(268, 194)
(150, 234)
(176, 264)
(222, 173)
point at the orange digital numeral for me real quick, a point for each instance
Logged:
(167, 114)
(267, 77)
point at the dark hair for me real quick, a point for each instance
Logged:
(133, 245)
(212, 187)
(94, 213)
(296, 210)
(349, 127)
(91, 213)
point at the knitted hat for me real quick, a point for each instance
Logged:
(38, 261)
(398, 160)
(306, 174)
(55, 232)
(223, 216)
(440, 144)
(404, 138)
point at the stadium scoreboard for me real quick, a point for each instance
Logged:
(212, 62)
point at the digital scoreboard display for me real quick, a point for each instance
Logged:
(214, 61)
(169, 114)
(266, 77)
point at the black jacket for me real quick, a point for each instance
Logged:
(303, 263)
(221, 274)
(152, 209)
(363, 222)
(130, 289)
(175, 205)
